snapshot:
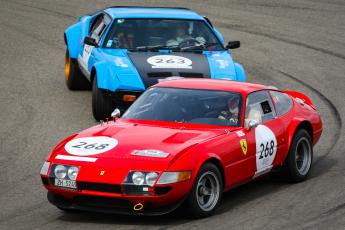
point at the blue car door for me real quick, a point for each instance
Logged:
(87, 55)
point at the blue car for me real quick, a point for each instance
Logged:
(119, 52)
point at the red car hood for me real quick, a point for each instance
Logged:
(134, 136)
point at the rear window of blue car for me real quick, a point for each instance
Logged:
(196, 106)
(133, 33)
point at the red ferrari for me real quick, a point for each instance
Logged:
(184, 142)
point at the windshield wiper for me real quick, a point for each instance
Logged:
(156, 48)
(196, 47)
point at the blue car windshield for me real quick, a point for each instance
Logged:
(143, 34)
(196, 106)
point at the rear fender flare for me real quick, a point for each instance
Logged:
(293, 127)
(74, 36)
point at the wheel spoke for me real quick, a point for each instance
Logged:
(208, 191)
(303, 156)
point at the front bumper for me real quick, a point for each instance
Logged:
(118, 97)
(110, 198)
(109, 205)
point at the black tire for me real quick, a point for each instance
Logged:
(192, 204)
(102, 104)
(298, 162)
(75, 80)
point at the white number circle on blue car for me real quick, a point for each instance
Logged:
(87, 146)
(170, 61)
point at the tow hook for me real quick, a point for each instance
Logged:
(138, 207)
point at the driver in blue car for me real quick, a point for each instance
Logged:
(184, 36)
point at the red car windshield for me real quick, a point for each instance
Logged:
(187, 106)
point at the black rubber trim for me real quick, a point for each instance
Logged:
(109, 205)
(99, 187)
(45, 180)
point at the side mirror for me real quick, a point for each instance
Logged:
(252, 124)
(233, 45)
(90, 41)
(116, 114)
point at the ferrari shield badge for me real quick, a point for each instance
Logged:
(243, 144)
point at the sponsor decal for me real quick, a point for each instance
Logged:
(87, 146)
(240, 133)
(222, 63)
(169, 78)
(86, 54)
(120, 63)
(170, 61)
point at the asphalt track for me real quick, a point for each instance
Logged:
(299, 45)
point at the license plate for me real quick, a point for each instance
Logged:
(65, 183)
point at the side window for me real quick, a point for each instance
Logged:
(259, 107)
(98, 26)
(282, 102)
(95, 23)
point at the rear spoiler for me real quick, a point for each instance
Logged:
(300, 97)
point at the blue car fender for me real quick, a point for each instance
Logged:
(74, 36)
(111, 78)
(106, 79)
(240, 73)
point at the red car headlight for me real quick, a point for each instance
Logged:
(141, 178)
(139, 183)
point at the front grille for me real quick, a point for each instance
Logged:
(191, 75)
(103, 202)
(159, 74)
(162, 190)
(111, 188)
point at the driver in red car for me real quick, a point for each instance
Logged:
(184, 36)
(231, 113)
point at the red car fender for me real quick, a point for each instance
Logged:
(194, 161)
(302, 96)
(60, 145)
(295, 123)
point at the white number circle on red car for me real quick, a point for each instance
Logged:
(266, 147)
(169, 61)
(87, 146)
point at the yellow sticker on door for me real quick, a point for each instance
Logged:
(243, 144)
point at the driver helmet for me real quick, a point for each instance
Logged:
(182, 29)
(233, 105)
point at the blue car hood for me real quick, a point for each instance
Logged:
(150, 67)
